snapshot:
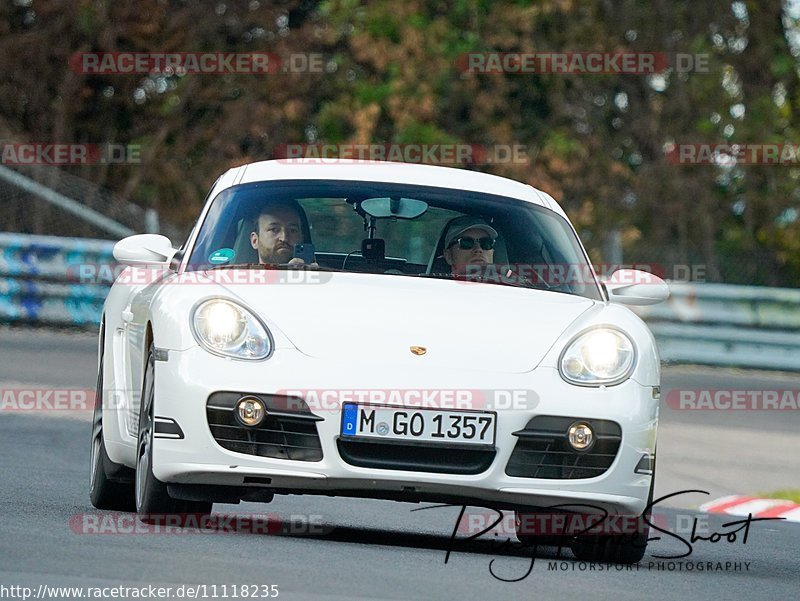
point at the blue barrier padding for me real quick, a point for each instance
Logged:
(40, 279)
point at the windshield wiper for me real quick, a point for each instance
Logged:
(490, 279)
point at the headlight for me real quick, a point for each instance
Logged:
(227, 329)
(599, 356)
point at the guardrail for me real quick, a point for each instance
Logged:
(728, 325)
(712, 324)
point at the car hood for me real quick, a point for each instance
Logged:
(376, 319)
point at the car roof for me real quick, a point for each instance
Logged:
(386, 171)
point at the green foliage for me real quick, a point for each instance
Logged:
(86, 22)
(423, 133)
(560, 144)
(383, 25)
(367, 93)
(595, 141)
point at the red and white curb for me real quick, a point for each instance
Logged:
(741, 505)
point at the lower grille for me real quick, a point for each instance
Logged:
(543, 450)
(289, 431)
(415, 458)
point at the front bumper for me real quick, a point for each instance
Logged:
(186, 380)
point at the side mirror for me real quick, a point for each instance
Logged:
(635, 287)
(144, 249)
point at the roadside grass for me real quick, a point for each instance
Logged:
(790, 494)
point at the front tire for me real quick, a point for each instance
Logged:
(152, 498)
(104, 492)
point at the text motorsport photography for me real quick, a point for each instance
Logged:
(509, 538)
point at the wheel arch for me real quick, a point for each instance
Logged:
(149, 338)
(101, 340)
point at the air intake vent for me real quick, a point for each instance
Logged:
(289, 431)
(543, 450)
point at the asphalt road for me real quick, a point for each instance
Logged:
(321, 548)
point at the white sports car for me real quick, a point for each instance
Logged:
(378, 330)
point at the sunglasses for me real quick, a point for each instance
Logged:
(466, 243)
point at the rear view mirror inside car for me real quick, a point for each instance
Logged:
(396, 207)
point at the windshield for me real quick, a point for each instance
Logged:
(506, 241)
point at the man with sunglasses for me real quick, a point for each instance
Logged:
(469, 241)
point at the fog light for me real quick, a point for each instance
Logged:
(581, 436)
(250, 411)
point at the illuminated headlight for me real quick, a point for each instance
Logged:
(597, 357)
(227, 329)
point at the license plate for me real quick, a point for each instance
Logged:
(418, 425)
